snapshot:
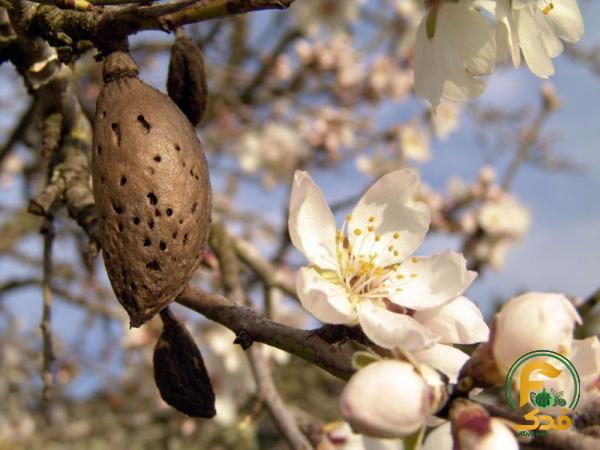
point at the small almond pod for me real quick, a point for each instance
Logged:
(151, 188)
(186, 81)
(179, 371)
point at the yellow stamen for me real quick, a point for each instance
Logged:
(548, 8)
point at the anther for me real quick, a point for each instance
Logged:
(548, 8)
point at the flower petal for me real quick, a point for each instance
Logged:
(566, 20)
(531, 40)
(432, 281)
(311, 223)
(324, 299)
(457, 322)
(448, 63)
(507, 39)
(445, 358)
(386, 216)
(392, 330)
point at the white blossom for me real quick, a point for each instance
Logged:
(504, 220)
(504, 216)
(414, 143)
(446, 119)
(530, 322)
(455, 47)
(387, 80)
(329, 128)
(363, 272)
(536, 27)
(278, 149)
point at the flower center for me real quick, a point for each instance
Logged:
(360, 269)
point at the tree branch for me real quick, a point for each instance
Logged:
(46, 324)
(64, 27)
(267, 390)
(250, 325)
(270, 396)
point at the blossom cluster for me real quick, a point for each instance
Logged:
(457, 45)
(412, 308)
(459, 42)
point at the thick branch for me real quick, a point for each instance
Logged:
(64, 27)
(249, 324)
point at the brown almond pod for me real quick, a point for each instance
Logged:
(179, 371)
(186, 82)
(151, 188)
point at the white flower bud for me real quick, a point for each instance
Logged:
(388, 399)
(530, 322)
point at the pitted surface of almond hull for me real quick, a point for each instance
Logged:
(153, 195)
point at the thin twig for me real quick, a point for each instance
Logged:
(270, 396)
(46, 324)
(267, 391)
(18, 131)
(262, 267)
(526, 143)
